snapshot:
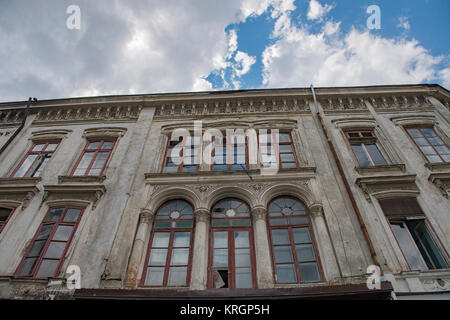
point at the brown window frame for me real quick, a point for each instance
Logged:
(4, 223)
(229, 165)
(96, 152)
(372, 139)
(170, 248)
(38, 153)
(231, 249)
(277, 150)
(55, 225)
(420, 128)
(292, 243)
(181, 165)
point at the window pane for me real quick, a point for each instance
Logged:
(242, 257)
(221, 239)
(283, 254)
(93, 145)
(181, 239)
(241, 239)
(180, 257)
(4, 214)
(25, 166)
(361, 155)
(99, 162)
(39, 147)
(428, 150)
(305, 252)
(47, 268)
(55, 214)
(280, 236)
(244, 278)
(309, 272)
(45, 232)
(27, 267)
(107, 145)
(375, 154)
(286, 273)
(442, 149)
(429, 133)
(84, 164)
(278, 222)
(434, 159)
(40, 165)
(299, 220)
(285, 137)
(158, 257)
(72, 215)
(421, 141)
(161, 239)
(177, 276)
(287, 157)
(37, 248)
(415, 133)
(63, 233)
(412, 255)
(220, 258)
(301, 235)
(51, 147)
(55, 250)
(286, 148)
(155, 276)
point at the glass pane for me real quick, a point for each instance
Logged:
(375, 154)
(55, 250)
(305, 252)
(428, 150)
(27, 267)
(84, 164)
(284, 137)
(434, 159)
(241, 223)
(220, 239)
(72, 215)
(25, 166)
(39, 147)
(54, 214)
(436, 141)
(220, 223)
(286, 148)
(163, 225)
(286, 273)
(47, 268)
(241, 239)
(301, 235)
(161, 239)
(412, 255)
(99, 162)
(4, 214)
(51, 147)
(299, 220)
(429, 133)
(280, 236)
(37, 248)
(244, 278)
(40, 165)
(442, 149)
(181, 239)
(107, 145)
(309, 272)
(177, 276)
(278, 222)
(283, 254)
(415, 133)
(63, 233)
(220, 258)
(180, 257)
(289, 165)
(155, 276)
(158, 257)
(422, 142)
(242, 257)
(287, 157)
(361, 155)
(94, 145)
(45, 232)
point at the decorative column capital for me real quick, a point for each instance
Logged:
(146, 216)
(316, 210)
(201, 215)
(259, 213)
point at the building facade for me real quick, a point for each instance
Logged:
(90, 189)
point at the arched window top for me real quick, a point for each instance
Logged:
(174, 214)
(287, 211)
(230, 208)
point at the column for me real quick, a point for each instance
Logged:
(264, 272)
(145, 221)
(199, 270)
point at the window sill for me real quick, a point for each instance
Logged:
(436, 167)
(381, 169)
(20, 190)
(81, 179)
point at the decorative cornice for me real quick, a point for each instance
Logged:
(10, 117)
(405, 102)
(81, 179)
(47, 135)
(442, 182)
(381, 169)
(19, 189)
(91, 193)
(413, 120)
(344, 103)
(373, 186)
(111, 132)
(355, 122)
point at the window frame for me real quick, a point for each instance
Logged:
(169, 250)
(277, 150)
(373, 139)
(38, 153)
(4, 223)
(231, 249)
(292, 244)
(181, 165)
(246, 166)
(49, 240)
(420, 128)
(86, 149)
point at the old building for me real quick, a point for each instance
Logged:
(362, 180)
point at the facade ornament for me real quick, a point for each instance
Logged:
(259, 213)
(202, 215)
(316, 210)
(146, 216)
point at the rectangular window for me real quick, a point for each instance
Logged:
(284, 152)
(35, 160)
(429, 143)
(366, 148)
(94, 158)
(188, 157)
(46, 252)
(408, 224)
(5, 215)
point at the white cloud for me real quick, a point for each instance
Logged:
(244, 61)
(317, 11)
(331, 28)
(444, 75)
(403, 23)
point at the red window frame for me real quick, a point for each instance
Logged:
(245, 165)
(231, 249)
(55, 225)
(277, 150)
(31, 152)
(4, 223)
(365, 137)
(96, 151)
(430, 144)
(182, 164)
(170, 247)
(292, 243)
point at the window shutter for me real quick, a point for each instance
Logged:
(401, 208)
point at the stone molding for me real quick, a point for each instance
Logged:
(90, 193)
(47, 135)
(81, 179)
(382, 185)
(19, 189)
(381, 169)
(442, 182)
(104, 132)
(146, 216)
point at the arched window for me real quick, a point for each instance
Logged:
(169, 255)
(294, 253)
(232, 257)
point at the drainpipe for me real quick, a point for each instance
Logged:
(20, 128)
(346, 184)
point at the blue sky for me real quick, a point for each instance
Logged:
(150, 46)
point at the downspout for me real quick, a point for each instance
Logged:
(10, 140)
(346, 184)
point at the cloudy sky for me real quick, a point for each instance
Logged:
(150, 46)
